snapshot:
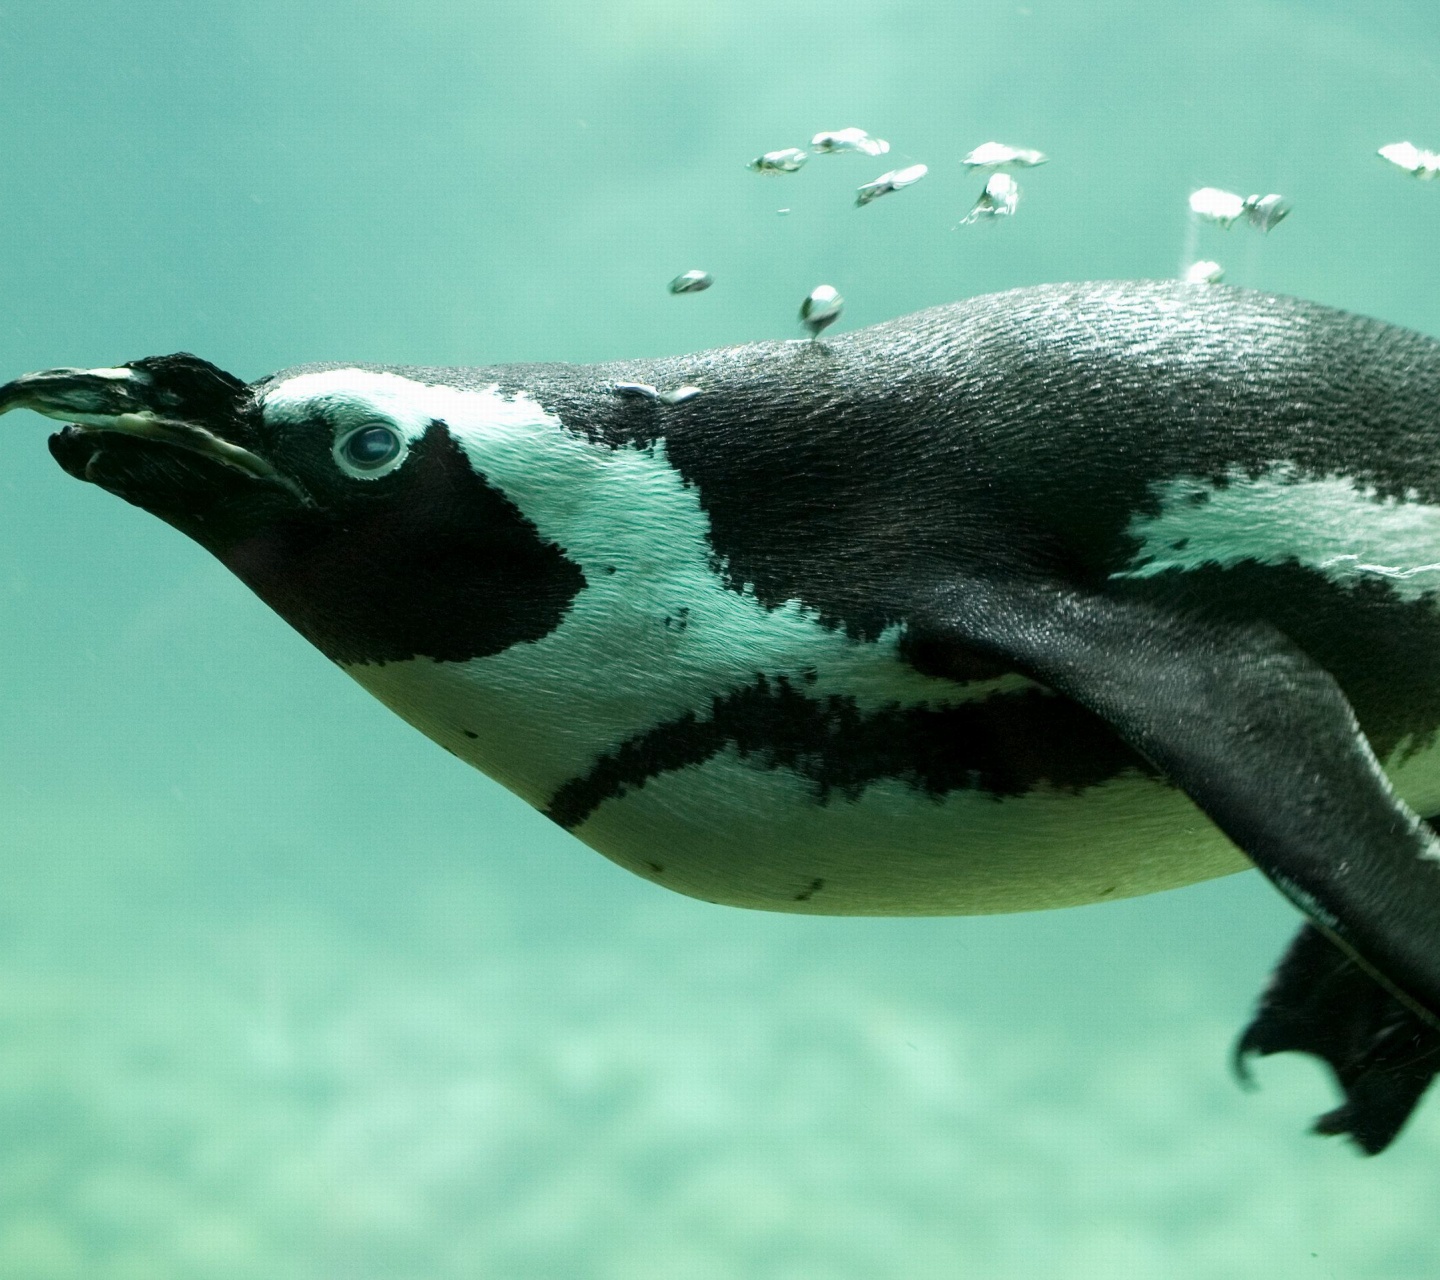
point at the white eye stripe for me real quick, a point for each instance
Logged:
(349, 398)
(353, 402)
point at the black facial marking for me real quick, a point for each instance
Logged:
(428, 561)
(1003, 745)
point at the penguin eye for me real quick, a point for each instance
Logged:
(369, 449)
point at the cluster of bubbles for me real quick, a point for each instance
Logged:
(999, 199)
(1224, 208)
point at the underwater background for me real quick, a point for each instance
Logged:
(286, 991)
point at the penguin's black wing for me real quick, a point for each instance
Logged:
(1263, 741)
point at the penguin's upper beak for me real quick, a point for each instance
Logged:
(127, 400)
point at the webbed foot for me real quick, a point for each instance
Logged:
(1382, 1053)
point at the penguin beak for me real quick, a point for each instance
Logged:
(126, 401)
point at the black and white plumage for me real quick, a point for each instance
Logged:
(1047, 597)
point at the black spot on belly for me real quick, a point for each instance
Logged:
(1003, 745)
(810, 890)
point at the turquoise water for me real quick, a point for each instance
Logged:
(287, 992)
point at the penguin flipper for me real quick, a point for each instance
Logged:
(1383, 1054)
(1257, 734)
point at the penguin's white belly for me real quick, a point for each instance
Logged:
(746, 830)
(728, 831)
(732, 832)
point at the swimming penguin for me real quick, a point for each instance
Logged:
(1049, 597)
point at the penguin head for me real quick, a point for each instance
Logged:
(340, 496)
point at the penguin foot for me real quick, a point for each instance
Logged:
(1382, 1052)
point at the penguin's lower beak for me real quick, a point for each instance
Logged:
(125, 401)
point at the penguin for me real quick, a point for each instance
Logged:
(1053, 596)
